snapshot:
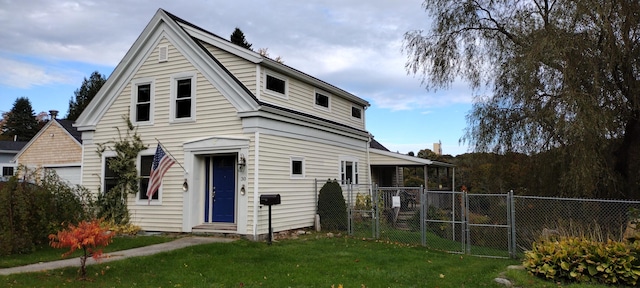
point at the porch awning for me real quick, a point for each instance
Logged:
(379, 157)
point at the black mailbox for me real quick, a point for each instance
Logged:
(270, 199)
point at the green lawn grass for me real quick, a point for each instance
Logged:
(313, 261)
(45, 253)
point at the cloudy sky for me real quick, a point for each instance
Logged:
(48, 47)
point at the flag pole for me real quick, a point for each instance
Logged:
(174, 158)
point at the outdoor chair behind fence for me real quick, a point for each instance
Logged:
(491, 225)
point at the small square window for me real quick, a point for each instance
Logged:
(297, 167)
(322, 100)
(276, 85)
(356, 112)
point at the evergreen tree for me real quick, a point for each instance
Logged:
(237, 37)
(21, 123)
(84, 94)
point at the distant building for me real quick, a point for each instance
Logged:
(437, 148)
(9, 149)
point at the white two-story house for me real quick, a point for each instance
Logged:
(239, 124)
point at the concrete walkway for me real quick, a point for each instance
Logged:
(117, 255)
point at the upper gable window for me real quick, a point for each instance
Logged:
(142, 98)
(183, 97)
(356, 112)
(322, 100)
(276, 85)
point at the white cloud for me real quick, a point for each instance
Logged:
(24, 75)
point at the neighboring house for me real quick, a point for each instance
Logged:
(57, 147)
(8, 150)
(242, 125)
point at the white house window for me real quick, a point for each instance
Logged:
(356, 112)
(276, 85)
(7, 171)
(142, 94)
(297, 167)
(110, 179)
(349, 171)
(145, 172)
(183, 96)
(322, 100)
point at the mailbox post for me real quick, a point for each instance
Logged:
(269, 200)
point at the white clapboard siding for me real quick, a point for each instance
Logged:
(321, 161)
(215, 116)
(242, 69)
(301, 97)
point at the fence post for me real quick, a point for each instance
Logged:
(349, 212)
(423, 216)
(377, 212)
(466, 225)
(513, 224)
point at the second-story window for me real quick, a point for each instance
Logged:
(276, 84)
(142, 91)
(322, 100)
(183, 96)
(356, 112)
(143, 104)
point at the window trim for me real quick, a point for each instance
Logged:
(103, 181)
(355, 171)
(296, 176)
(323, 93)
(139, 201)
(174, 97)
(276, 93)
(134, 100)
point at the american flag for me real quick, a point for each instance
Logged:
(161, 163)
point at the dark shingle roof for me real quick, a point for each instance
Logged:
(12, 145)
(68, 125)
(376, 145)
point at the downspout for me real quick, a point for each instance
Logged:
(369, 160)
(256, 174)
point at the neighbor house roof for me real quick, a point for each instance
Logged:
(11, 146)
(66, 125)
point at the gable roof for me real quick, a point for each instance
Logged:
(11, 146)
(251, 56)
(65, 125)
(188, 37)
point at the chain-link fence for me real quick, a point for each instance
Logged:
(493, 225)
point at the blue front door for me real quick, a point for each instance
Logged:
(220, 201)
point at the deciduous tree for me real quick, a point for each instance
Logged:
(562, 76)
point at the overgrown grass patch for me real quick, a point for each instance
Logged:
(45, 253)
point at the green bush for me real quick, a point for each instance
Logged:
(30, 212)
(332, 207)
(581, 260)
